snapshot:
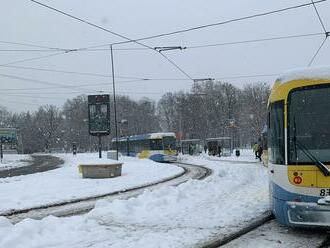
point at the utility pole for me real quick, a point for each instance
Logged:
(114, 99)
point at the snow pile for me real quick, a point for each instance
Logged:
(65, 183)
(14, 160)
(181, 216)
(322, 72)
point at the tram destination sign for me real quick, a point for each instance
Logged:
(99, 114)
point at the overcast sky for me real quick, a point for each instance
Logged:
(23, 21)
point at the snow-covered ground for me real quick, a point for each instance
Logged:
(66, 183)
(14, 160)
(181, 216)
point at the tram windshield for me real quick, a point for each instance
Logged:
(308, 126)
(156, 144)
(169, 143)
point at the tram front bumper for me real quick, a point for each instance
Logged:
(309, 214)
(169, 158)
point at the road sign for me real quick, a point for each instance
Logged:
(99, 114)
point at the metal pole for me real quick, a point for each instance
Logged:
(100, 146)
(114, 99)
(1, 152)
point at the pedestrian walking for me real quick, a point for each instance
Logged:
(255, 148)
(259, 152)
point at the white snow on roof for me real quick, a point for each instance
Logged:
(322, 72)
(161, 135)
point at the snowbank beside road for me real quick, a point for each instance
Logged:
(65, 183)
(181, 216)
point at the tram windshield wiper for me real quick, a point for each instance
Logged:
(323, 168)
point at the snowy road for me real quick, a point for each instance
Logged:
(40, 163)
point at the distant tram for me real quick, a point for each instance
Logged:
(299, 148)
(160, 147)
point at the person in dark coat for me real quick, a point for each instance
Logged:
(259, 152)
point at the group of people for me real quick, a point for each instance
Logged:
(257, 149)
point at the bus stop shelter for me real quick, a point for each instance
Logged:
(192, 146)
(221, 146)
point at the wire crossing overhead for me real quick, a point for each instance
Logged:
(218, 23)
(319, 17)
(274, 38)
(109, 31)
(89, 23)
(326, 33)
(317, 51)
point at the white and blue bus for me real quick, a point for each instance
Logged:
(160, 147)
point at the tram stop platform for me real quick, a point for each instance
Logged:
(103, 170)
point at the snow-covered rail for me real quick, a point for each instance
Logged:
(83, 205)
(227, 238)
(325, 243)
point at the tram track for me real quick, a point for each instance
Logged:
(325, 243)
(83, 205)
(237, 234)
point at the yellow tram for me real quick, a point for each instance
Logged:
(299, 147)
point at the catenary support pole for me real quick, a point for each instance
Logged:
(114, 100)
(1, 151)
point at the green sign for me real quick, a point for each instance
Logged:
(8, 134)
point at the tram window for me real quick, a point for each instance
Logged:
(308, 124)
(156, 144)
(169, 143)
(276, 133)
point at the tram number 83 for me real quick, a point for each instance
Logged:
(325, 192)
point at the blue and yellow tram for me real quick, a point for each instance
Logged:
(299, 148)
(160, 147)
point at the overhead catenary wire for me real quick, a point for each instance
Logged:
(175, 65)
(134, 78)
(89, 23)
(274, 38)
(67, 72)
(109, 31)
(319, 17)
(137, 41)
(56, 87)
(251, 41)
(325, 32)
(32, 59)
(317, 51)
(38, 81)
(213, 24)
(75, 86)
(32, 45)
